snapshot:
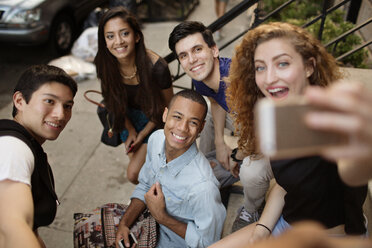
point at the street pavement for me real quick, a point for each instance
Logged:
(88, 173)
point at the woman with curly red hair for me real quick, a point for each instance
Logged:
(277, 61)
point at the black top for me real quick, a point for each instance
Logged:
(161, 78)
(316, 192)
(42, 181)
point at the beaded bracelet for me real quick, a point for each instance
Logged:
(259, 224)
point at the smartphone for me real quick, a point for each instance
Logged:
(282, 132)
(132, 240)
(131, 146)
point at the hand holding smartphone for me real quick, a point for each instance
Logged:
(131, 146)
(132, 240)
(130, 149)
(282, 132)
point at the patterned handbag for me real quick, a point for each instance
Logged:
(98, 228)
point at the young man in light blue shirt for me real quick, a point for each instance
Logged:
(176, 182)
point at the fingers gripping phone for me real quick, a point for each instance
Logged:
(132, 240)
(282, 132)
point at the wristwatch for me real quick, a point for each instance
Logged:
(233, 155)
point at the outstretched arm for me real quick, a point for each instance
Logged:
(16, 215)
(311, 235)
(252, 233)
(349, 112)
(272, 211)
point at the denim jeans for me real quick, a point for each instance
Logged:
(139, 120)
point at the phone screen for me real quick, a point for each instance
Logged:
(131, 240)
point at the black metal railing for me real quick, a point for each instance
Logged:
(246, 4)
(335, 41)
(223, 20)
(161, 10)
(216, 25)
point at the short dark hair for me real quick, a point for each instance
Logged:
(193, 96)
(187, 28)
(36, 76)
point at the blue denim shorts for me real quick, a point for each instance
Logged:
(139, 120)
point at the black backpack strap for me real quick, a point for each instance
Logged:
(13, 128)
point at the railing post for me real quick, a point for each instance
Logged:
(257, 20)
(352, 13)
(324, 15)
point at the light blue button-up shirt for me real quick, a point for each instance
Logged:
(190, 190)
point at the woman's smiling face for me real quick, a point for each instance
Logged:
(280, 70)
(120, 38)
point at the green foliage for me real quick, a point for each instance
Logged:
(334, 29)
(302, 11)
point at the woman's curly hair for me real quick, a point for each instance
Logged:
(242, 92)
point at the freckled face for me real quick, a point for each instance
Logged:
(196, 58)
(280, 70)
(120, 38)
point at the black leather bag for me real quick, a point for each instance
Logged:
(108, 136)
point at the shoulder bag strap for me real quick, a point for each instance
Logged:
(92, 101)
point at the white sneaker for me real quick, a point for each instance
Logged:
(244, 218)
(249, 217)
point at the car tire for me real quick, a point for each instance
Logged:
(62, 34)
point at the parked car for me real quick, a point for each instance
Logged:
(39, 21)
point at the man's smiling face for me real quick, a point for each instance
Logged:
(183, 123)
(47, 112)
(196, 58)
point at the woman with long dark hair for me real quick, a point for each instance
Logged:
(136, 83)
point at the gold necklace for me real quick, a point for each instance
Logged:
(131, 76)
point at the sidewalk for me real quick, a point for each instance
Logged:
(88, 173)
